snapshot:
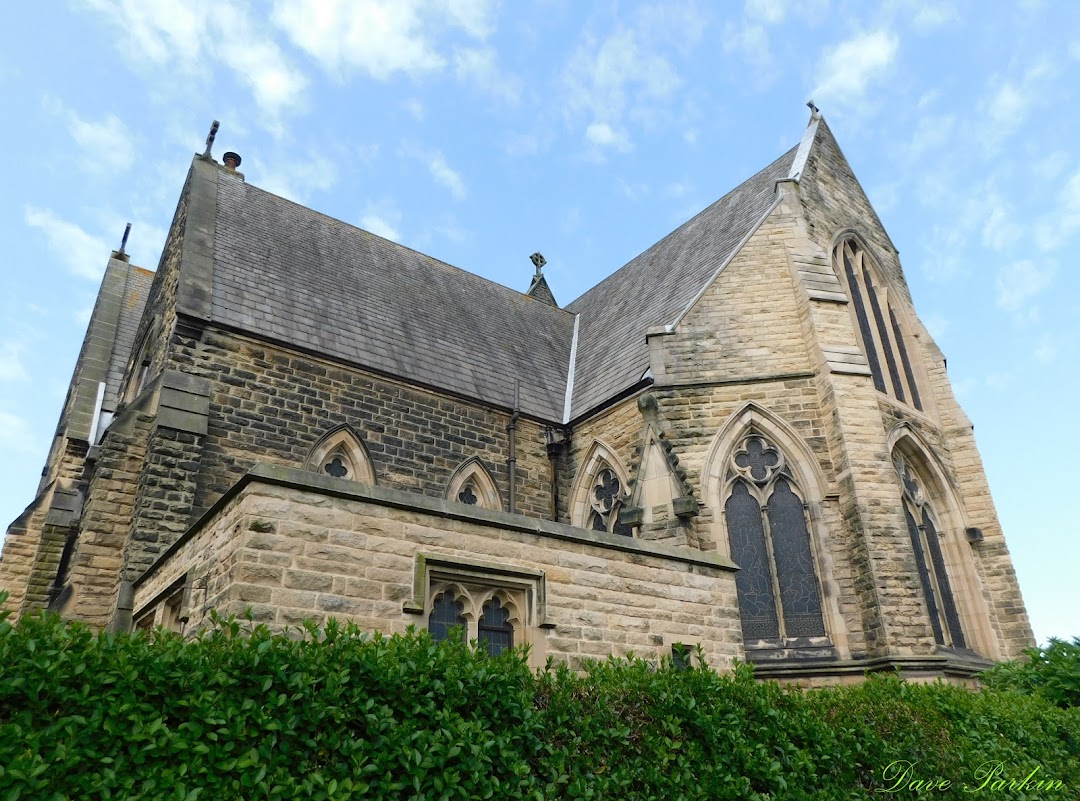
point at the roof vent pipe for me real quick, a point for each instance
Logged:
(231, 161)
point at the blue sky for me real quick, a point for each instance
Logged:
(480, 132)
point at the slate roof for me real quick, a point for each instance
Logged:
(133, 301)
(654, 288)
(291, 274)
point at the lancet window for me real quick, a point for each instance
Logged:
(879, 326)
(925, 533)
(767, 525)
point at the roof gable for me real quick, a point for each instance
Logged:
(655, 287)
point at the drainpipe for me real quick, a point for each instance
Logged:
(511, 462)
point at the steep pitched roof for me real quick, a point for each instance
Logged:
(654, 288)
(132, 303)
(291, 274)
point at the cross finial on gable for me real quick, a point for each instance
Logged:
(538, 261)
(210, 140)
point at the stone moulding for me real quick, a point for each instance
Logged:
(304, 480)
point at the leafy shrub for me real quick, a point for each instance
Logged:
(1052, 671)
(335, 714)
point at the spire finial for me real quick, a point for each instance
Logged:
(210, 140)
(123, 242)
(538, 261)
(814, 112)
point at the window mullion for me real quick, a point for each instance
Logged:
(774, 574)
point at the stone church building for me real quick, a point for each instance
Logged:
(744, 440)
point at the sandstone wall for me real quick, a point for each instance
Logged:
(292, 546)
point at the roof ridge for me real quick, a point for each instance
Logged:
(428, 256)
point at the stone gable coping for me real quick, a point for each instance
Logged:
(263, 473)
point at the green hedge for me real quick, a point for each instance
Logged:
(242, 713)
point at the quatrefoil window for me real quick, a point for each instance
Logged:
(467, 495)
(607, 501)
(336, 468)
(757, 459)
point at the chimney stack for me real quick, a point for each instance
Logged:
(231, 161)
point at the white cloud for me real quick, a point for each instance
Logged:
(1058, 228)
(183, 36)
(933, 15)
(480, 67)
(11, 365)
(768, 11)
(604, 136)
(1021, 281)
(84, 254)
(1046, 350)
(15, 434)
(849, 68)
(444, 174)
(107, 145)
(618, 75)
(752, 43)
(1009, 101)
(380, 227)
(379, 37)
(296, 180)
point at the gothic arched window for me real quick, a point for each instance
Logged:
(779, 594)
(486, 615)
(447, 613)
(925, 533)
(879, 327)
(494, 629)
(342, 454)
(607, 498)
(473, 485)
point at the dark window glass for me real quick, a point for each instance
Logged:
(680, 656)
(446, 613)
(912, 386)
(495, 631)
(864, 326)
(598, 522)
(948, 603)
(336, 468)
(799, 597)
(467, 495)
(883, 333)
(924, 577)
(753, 581)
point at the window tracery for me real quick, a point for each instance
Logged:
(607, 500)
(472, 484)
(485, 615)
(880, 329)
(925, 534)
(777, 584)
(341, 454)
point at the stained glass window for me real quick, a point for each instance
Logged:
(779, 595)
(446, 613)
(607, 499)
(495, 631)
(925, 538)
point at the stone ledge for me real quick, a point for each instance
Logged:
(952, 664)
(307, 481)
